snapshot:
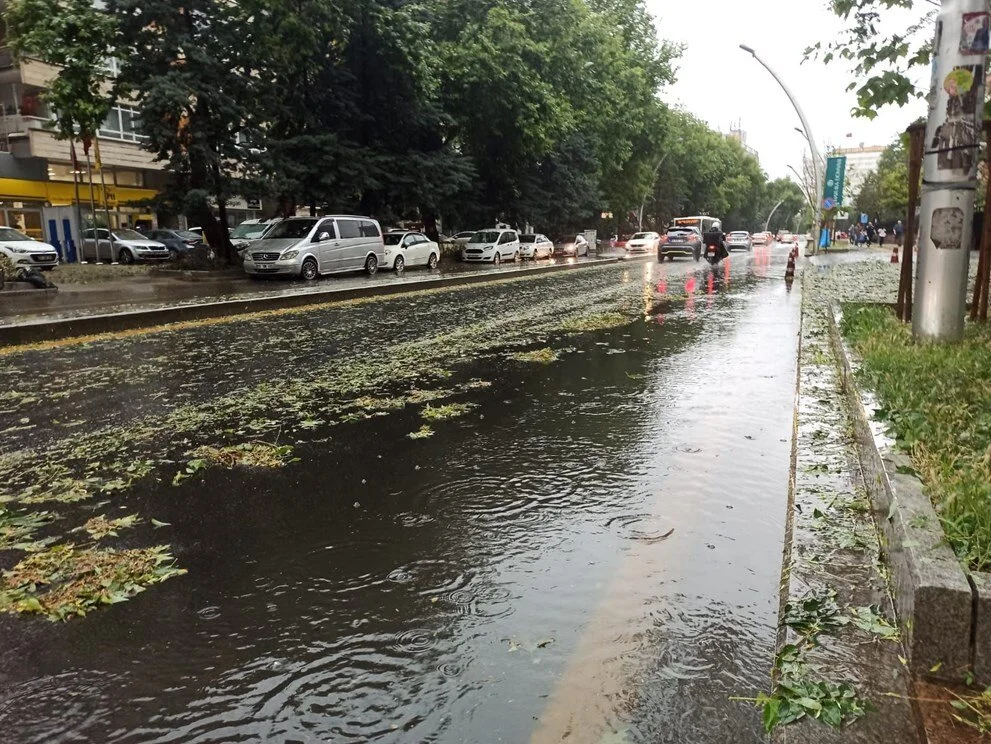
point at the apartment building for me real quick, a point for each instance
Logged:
(37, 182)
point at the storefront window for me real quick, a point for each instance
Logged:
(134, 179)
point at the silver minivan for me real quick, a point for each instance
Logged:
(310, 246)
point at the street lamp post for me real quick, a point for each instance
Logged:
(768, 222)
(816, 158)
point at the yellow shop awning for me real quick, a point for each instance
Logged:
(61, 193)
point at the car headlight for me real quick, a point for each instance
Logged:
(14, 249)
(289, 255)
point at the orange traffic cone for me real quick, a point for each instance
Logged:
(894, 253)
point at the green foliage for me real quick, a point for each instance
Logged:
(872, 620)
(884, 61)
(815, 613)
(66, 580)
(797, 695)
(936, 401)
(974, 711)
(76, 37)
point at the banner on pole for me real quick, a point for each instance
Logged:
(835, 179)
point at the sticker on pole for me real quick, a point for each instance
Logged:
(828, 203)
(947, 229)
(974, 33)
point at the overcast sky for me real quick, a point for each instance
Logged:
(722, 84)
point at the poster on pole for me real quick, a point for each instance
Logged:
(835, 180)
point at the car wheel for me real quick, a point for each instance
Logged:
(432, 261)
(309, 269)
(125, 257)
(371, 265)
(173, 254)
(497, 259)
(400, 264)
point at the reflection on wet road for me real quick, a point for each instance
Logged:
(591, 554)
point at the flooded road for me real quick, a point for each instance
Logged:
(589, 553)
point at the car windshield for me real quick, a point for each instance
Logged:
(129, 235)
(290, 229)
(528, 238)
(187, 235)
(7, 233)
(485, 236)
(464, 234)
(640, 236)
(246, 231)
(681, 232)
(393, 238)
(738, 234)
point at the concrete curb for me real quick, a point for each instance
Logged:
(33, 291)
(936, 604)
(26, 333)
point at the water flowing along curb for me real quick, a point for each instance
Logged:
(53, 330)
(939, 606)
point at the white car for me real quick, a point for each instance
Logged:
(123, 246)
(643, 242)
(493, 246)
(404, 249)
(576, 246)
(461, 238)
(536, 246)
(249, 230)
(26, 252)
(739, 239)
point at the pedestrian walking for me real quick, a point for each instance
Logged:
(899, 232)
(871, 234)
(881, 235)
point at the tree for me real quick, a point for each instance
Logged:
(185, 65)
(75, 37)
(882, 62)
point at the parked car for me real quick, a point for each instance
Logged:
(178, 242)
(25, 252)
(739, 239)
(123, 246)
(571, 246)
(534, 246)
(404, 249)
(681, 241)
(622, 240)
(462, 238)
(643, 242)
(492, 245)
(243, 234)
(311, 246)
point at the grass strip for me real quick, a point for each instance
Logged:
(936, 400)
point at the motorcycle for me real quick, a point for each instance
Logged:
(714, 254)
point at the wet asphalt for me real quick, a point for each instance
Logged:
(591, 554)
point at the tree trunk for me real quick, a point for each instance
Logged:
(430, 226)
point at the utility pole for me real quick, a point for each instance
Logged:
(953, 136)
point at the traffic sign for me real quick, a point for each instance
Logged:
(828, 203)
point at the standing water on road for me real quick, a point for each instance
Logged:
(585, 549)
